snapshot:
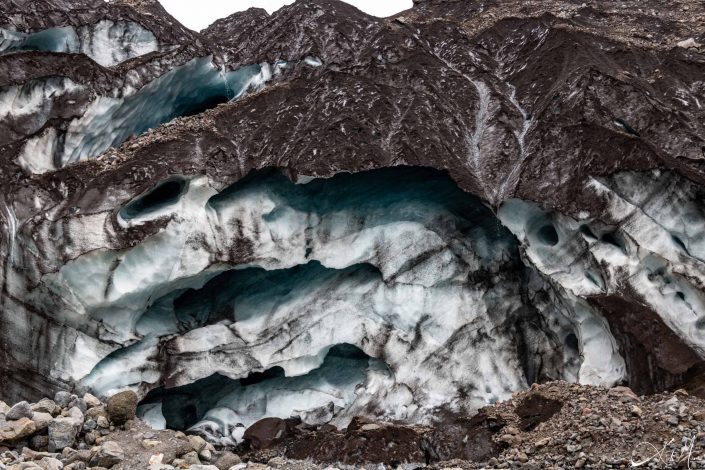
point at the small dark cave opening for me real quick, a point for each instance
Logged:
(162, 195)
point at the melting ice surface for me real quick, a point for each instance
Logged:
(107, 42)
(185, 90)
(269, 275)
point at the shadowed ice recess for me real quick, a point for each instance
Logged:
(107, 42)
(190, 89)
(270, 275)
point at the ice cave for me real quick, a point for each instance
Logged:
(332, 221)
(439, 310)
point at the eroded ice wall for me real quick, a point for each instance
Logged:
(107, 42)
(397, 262)
(110, 120)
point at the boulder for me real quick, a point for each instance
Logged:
(91, 401)
(62, 433)
(50, 463)
(227, 460)
(41, 420)
(62, 399)
(15, 430)
(20, 410)
(46, 406)
(108, 454)
(263, 433)
(122, 407)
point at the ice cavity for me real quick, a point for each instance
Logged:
(107, 42)
(264, 273)
(109, 121)
(221, 407)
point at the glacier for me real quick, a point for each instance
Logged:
(107, 42)
(108, 121)
(319, 214)
(261, 275)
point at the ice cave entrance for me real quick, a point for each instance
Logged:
(218, 405)
(426, 279)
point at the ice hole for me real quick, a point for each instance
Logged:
(163, 195)
(547, 235)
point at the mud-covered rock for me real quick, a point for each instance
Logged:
(121, 407)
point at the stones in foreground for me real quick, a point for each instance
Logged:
(554, 425)
(78, 433)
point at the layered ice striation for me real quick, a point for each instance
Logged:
(399, 263)
(107, 42)
(109, 121)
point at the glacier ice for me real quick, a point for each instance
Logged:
(217, 405)
(107, 42)
(261, 275)
(108, 121)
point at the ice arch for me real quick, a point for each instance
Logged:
(398, 262)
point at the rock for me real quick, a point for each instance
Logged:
(276, 462)
(4, 407)
(18, 429)
(197, 443)
(206, 455)
(41, 420)
(622, 393)
(71, 455)
(91, 401)
(636, 411)
(203, 467)
(62, 433)
(107, 455)
(75, 466)
(46, 405)
(76, 415)
(39, 442)
(370, 427)
(62, 399)
(20, 410)
(102, 422)
(227, 460)
(572, 448)
(50, 463)
(122, 406)
(150, 443)
(264, 432)
(78, 403)
(191, 458)
(688, 43)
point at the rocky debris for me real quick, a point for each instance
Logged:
(554, 425)
(122, 407)
(62, 436)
